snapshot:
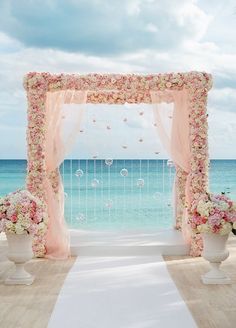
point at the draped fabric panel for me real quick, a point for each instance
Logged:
(62, 127)
(175, 137)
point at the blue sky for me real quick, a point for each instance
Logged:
(138, 36)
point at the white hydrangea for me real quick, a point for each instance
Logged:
(204, 208)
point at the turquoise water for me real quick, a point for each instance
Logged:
(103, 198)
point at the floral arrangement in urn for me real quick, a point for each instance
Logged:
(213, 214)
(21, 212)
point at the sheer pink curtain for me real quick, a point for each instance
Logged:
(175, 136)
(58, 144)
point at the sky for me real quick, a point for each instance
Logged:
(118, 36)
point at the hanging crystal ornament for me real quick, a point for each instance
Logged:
(109, 203)
(80, 217)
(79, 173)
(95, 183)
(140, 183)
(108, 127)
(124, 172)
(170, 163)
(65, 195)
(108, 162)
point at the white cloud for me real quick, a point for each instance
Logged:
(223, 99)
(104, 27)
(190, 16)
(222, 136)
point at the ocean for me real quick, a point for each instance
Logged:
(119, 194)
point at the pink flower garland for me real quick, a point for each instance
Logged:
(118, 89)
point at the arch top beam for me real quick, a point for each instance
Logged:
(133, 83)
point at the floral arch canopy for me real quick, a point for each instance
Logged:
(117, 89)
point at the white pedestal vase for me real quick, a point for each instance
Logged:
(214, 251)
(19, 252)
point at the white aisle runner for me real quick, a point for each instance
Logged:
(120, 292)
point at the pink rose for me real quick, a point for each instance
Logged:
(14, 218)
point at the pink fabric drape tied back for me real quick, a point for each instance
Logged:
(174, 135)
(58, 145)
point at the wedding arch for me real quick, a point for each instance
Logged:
(186, 143)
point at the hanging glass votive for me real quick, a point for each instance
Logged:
(170, 163)
(80, 217)
(124, 172)
(140, 183)
(79, 173)
(108, 162)
(109, 203)
(95, 183)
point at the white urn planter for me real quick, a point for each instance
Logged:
(214, 251)
(19, 252)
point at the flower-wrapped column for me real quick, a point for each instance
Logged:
(199, 149)
(36, 170)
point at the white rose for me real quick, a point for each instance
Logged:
(19, 229)
(42, 227)
(24, 222)
(203, 228)
(10, 227)
(226, 228)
